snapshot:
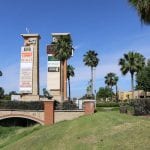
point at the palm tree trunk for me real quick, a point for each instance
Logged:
(69, 88)
(132, 84)
(62, 81)
(92, 80)
(111, 92)
(116, 93)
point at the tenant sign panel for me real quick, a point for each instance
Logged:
(53, 75)
(26, 68)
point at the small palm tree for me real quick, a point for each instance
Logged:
(63, 51)
(90, 59)
(70, 73)
(111, 79)
(132, 62)
(143, 9)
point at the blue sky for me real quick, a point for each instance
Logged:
(110, 27)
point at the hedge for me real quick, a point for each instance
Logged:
(33, 105)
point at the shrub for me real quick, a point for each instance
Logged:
(141, 106)
(34, 105)
(136, 107)
(69, 105)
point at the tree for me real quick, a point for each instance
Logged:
(90, 59)
(132, 62)
(143, 9)
(143, 78)
(63, 51)
(110, 80)
(104, 92)
(70, 73)
(1, 93)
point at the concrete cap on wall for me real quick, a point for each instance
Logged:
(31, 35)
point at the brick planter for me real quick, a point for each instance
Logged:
(89, 107)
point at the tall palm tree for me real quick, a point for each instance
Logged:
(143, 9)
(90, 59)
(70, 73)
(63, 51)
(132, 62)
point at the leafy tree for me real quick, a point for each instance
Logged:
(90, 59)
(70, 73)
(143, 9)
(63, 51)
(132, 62)
(1, 92)
(143, 78)
(104, 92)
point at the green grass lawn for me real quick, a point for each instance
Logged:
(104, 130)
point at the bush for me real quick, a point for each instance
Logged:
(66, 105)
(136, 107)
(34, 105)
(141, 106)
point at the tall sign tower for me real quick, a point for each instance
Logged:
(29, 68)
(54, 66)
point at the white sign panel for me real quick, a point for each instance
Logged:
(53, 63)
(26, 69)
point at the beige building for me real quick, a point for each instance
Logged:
(126, 95)
(54, 67)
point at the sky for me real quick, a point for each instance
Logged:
(110, 27)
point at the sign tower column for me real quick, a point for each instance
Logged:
(29, 70)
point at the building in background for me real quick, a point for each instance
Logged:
(54, 71)
(29, 68)
(128, 94)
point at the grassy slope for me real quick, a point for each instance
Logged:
(103, 130)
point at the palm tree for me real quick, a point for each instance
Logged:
(70, 73)
(132, 62)
(63, 51)
(109, 80)
(90, 59)
(143, 9)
